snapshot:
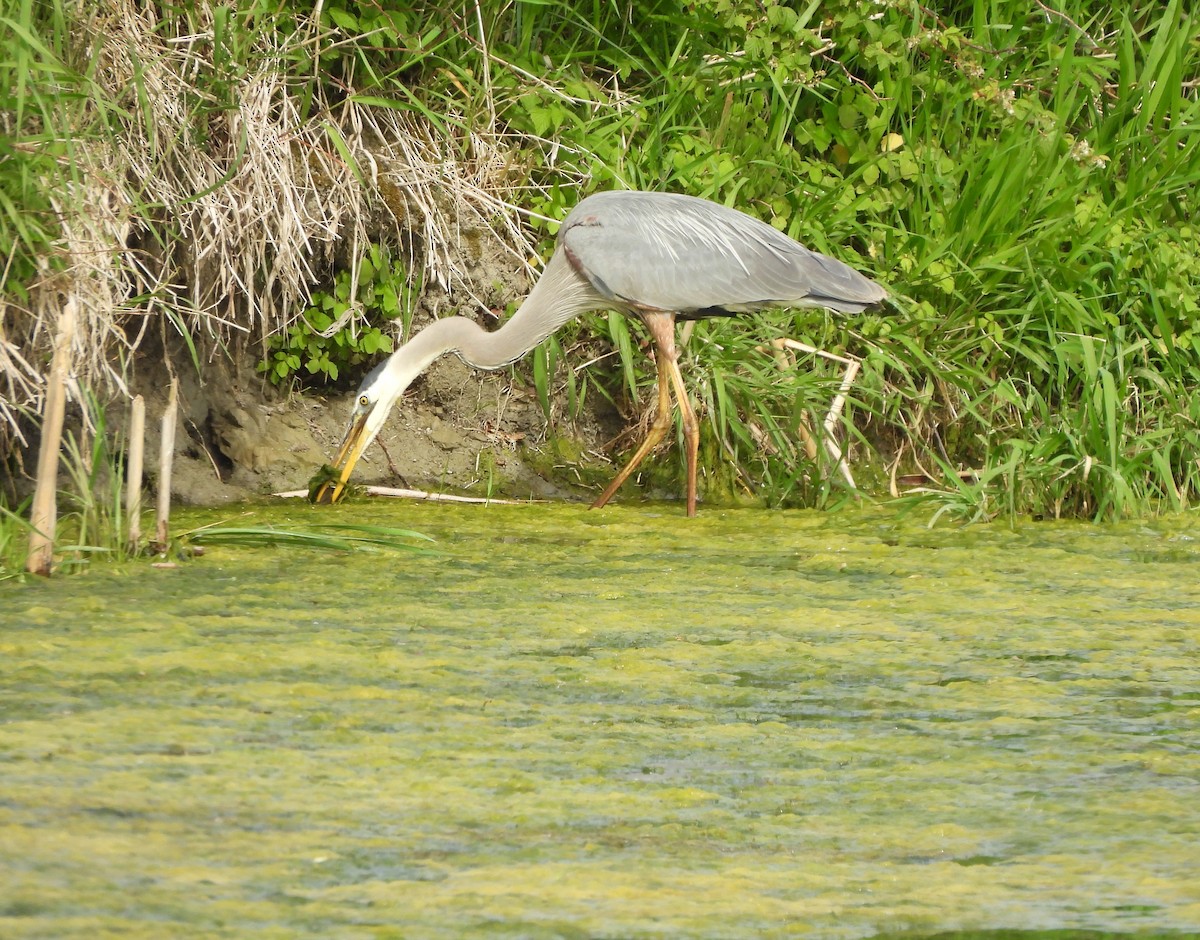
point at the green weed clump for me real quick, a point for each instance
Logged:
(344, 327)
(92, 517)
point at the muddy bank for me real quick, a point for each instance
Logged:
(457, 429)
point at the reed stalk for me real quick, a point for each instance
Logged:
(133, 472)
(166, 458)
(44, 513)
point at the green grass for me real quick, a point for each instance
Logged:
(1035, 225)
(1021, 179)
(326, 537)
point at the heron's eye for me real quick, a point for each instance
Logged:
(364, 400)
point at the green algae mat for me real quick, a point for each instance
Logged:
(611, 724)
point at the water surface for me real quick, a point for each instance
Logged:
(619, 723)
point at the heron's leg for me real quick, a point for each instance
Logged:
(662, 328)
(691, 433)
(665, 359)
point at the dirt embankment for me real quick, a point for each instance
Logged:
(457, 429)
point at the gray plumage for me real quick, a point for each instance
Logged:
(670, 252)
(659, 256)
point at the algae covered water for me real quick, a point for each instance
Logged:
(611, 724)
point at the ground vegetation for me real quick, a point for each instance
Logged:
(310, 181)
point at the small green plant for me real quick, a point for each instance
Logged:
(341, 537)
(91, 517)
(14, 534)
(317, 349)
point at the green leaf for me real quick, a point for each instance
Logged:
(344, 19)
(320, 321)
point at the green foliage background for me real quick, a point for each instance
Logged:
(1019, 175)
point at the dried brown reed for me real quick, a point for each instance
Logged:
(211, 205)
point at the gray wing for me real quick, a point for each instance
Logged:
(666, 251)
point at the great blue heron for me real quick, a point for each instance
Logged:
(659, 256)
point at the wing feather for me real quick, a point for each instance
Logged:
(666, 251)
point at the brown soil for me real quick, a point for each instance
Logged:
(457, 429)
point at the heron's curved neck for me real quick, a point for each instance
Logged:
(559, 295)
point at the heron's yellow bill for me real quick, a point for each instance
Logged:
(331, 490)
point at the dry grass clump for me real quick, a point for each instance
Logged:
(202, 193)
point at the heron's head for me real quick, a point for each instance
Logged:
(372, 403)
